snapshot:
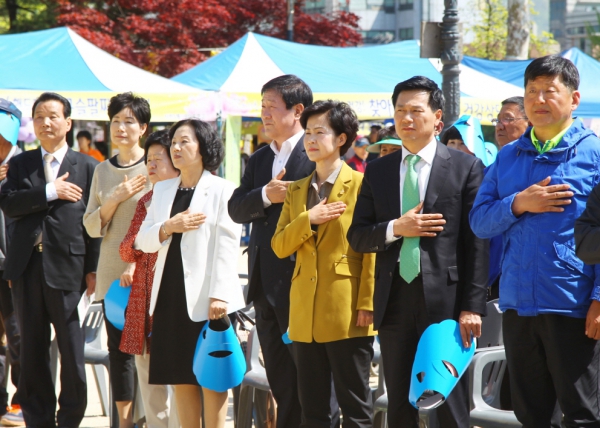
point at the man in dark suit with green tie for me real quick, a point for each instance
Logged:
(413, 212)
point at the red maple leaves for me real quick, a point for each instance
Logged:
(167, 37)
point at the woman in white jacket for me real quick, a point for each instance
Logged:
(196, 270)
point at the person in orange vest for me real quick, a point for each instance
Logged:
(84, 139)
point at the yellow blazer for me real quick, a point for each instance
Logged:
(331, 282)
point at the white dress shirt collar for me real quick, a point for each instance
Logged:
(427, 153)
(288, 145)
(59, 155)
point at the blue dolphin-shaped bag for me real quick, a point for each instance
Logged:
(469, 128)
(219, 363)
(115, 304)
(439, 363)
(10, 121)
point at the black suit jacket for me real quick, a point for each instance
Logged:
(454, 264)
(246, 206)
(68, 252)
(587, 230)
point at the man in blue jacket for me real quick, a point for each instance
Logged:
(532, 196)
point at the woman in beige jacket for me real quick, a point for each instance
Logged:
(118, 184)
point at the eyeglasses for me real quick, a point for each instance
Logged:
(506, 120)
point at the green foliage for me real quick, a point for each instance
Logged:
(594, 37)
(489, 34)
(17, 16)
(542, 45)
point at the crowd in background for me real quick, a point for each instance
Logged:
(409, 231)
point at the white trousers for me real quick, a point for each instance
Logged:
(158, 400)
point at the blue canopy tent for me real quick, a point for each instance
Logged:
(60, 60)
(513, 72)
(362, 76)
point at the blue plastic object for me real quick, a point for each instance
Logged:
(286, 338)
(492, 151)
(9, 126)
(219, 362)
(472, 135)
(439, 363)
(115, 304)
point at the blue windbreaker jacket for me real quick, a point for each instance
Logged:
(540, 272)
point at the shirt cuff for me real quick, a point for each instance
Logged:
(595, 293)
(389, 234)
(51, 194)
(266, 202)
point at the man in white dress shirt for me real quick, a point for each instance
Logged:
(259, 200)
(50, 261)
(413, 211)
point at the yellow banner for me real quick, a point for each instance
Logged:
(94, 105)
(484, 110)
(376, 106)
(366, 106)
(207, 105)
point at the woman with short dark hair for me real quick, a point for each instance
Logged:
(331, 298)
(117, 186)
(195, 280)
(137, 332)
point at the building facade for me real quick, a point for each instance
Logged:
(570, 21)
(386, 21)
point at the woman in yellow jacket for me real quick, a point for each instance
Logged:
(331, 299)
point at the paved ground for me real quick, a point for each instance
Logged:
(93, 415)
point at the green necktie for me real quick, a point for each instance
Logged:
(410, 258)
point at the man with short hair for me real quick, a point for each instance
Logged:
(259, 200)
(532, 196)
(51, 261)
(511, 122)
(412, 211)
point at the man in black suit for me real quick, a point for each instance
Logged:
(413, 211)
(259, 200)
(51, 261)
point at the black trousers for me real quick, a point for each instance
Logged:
(550, 357)
(122, 365)
(271, 323)
(349, 361)
(404, 322)
(13, 340)
(37, 306)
